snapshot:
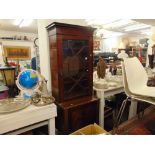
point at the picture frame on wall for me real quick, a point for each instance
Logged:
(96, 45)
(17, 52)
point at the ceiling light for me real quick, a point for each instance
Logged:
(17, 21)
(99, 21)
(146, 32)
(23, 22)
(118, 23)
(136, 27)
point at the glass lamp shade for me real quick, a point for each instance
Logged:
(8, 74)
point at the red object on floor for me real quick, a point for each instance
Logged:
(140, 130)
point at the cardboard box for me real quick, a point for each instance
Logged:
(92, 129)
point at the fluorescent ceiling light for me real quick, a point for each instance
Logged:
(99, 21)
(23, 22)
(109, 23)
(146, 32)
(136, 27)
(118, 23)
(17, 21)
(26, 22)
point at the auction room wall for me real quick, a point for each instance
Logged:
(110, 44)
(7, 42)
(29, 43)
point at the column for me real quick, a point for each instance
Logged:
(44, 51)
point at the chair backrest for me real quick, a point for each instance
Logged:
(135, 96)
(122, 55)
(125, 83)
(135, 74)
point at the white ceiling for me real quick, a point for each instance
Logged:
(134, 27)
(146, 21)
(7, 24)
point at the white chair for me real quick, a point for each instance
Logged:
(122, 55)
(130, 82)
(137, 78)
(142, 97)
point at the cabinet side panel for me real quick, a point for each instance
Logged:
(54, 66)
(60, 74)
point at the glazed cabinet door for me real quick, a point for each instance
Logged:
(76, 67)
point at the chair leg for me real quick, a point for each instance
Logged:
(140, 114)
(119, 116)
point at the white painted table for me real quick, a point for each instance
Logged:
(28, 119)
(103, 93)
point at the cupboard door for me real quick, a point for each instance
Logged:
(83, 115)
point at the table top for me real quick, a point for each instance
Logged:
(29, 109)
(109, 88)
(25, 117)
(113, 82)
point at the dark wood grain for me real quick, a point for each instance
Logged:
(75, 114)
(71, 58)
